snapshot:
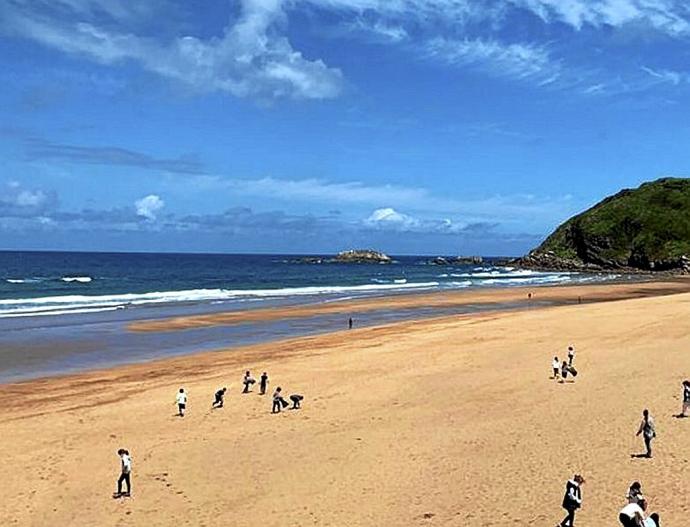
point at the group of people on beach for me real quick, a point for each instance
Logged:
(248, 381)
(633, 513)
(561, 370)
(181, 399)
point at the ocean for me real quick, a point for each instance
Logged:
(63, 312)
(34, 284)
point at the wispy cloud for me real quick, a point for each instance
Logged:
(251, 59)
(110, 155)
(667, 16)
(666, 76)
(520, 61)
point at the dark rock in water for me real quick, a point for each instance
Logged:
(362, 256)
(642, 230)
(309, 260)
(474, 260)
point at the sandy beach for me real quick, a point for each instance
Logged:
(447, 421)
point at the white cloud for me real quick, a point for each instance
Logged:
(19, 202)
(668, 76)
(668, 16)
(513, 60)
(390, 217)
(148, 206)
(250, 59)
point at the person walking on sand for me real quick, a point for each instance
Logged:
(220, 394)
(632, 515)
(181, 401)
(572, 500)
(565, 369)
(556, 365)
(263, 383)
(247, 381)
(648, 431)
(634, 492)
(571, 355)
(278, 401)
(125, 473)
(686, 398)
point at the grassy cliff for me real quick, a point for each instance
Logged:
(647, 228)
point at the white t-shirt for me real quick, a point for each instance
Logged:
(555, 364)
(181, 398)
(126, 464)
(630, 509)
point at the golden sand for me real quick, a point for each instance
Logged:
(450, 421)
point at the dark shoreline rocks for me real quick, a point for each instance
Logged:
(457, 260)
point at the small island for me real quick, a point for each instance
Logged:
(646, 229)
(362, 256)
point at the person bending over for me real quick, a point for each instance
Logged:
(220, 394)
(296, 401)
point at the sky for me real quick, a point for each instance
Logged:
(313, 126)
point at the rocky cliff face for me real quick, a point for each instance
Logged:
(645, 229)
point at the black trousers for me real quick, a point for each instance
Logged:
(277, 406)
(124, 477)
(218, 401)
(648, 444)
(627, 521)
(569, 520)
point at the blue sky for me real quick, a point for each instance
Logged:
(412, 126)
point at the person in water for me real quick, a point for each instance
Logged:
(125, 473)
(263, 384)
(220, 394)
(350, 323)
(181, 401)
(648, 431)
(572, 500)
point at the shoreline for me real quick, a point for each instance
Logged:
(441, 419)
(488, 302)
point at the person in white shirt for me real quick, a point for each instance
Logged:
(556, 365)
(247, 381)
(632, 515)
(181, 401)
(125, 473)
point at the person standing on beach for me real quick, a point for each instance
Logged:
(556, 365)
(571, 355)
(564, 371)
(648, 431)
(686, 399)
(125, 473)
(247, 381)
(263, 383)
(278, 401)
(572, 500)
(181, 401)
(220, 394)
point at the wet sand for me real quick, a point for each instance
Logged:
(516, 297)
(447, 421)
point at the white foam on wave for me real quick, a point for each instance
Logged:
(21, 280)
(80, 279)
(72, 303)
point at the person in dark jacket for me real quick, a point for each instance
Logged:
(648, 431)
(296, 401)
(263, 383)
(572, 500)
(220, 394)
